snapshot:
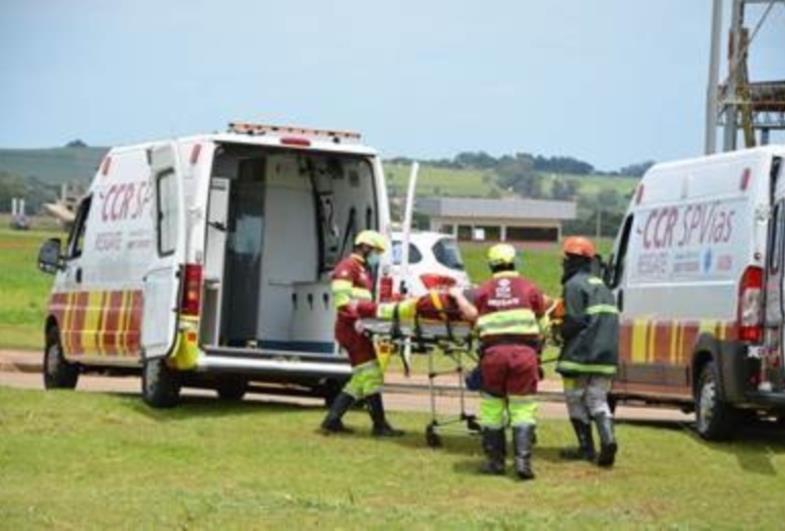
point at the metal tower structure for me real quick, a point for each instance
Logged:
(738, 104)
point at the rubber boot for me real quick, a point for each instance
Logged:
(585, 449)
(523, 439)
(608, 445)
(495, 447)
(381, 428)
(332, 423)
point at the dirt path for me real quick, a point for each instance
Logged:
(416, 400)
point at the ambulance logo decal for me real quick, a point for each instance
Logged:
(706, 262)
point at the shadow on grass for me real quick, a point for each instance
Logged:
(206, 406)
(753, 445)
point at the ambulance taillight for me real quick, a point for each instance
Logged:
(750, 309)
(192, 287)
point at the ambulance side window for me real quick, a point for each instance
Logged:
(166, 212)
(621, 254)
(775, 241)
(76, 236)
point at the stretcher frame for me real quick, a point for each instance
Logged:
(454, 339)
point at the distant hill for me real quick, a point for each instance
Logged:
(435, 181)
(54, 165)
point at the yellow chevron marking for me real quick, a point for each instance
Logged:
(639, 341)
(89, 331)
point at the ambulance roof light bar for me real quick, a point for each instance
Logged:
(246, 128)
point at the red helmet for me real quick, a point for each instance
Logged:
(580, 246)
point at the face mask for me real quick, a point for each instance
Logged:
(372, 260)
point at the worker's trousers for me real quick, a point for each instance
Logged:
(587, 396)
(509, 382)
(367, 379)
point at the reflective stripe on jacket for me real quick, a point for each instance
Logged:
(509, 305)
(351, 281)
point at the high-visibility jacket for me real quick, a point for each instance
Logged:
(591, 327)
(351, 280)
(510, 308)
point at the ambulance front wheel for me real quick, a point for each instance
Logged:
(58, 373)
(160, 384)
(231, 389)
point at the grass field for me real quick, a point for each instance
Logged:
(84, 460)
(433, 181)
(24, 291)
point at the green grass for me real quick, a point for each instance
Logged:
(432, 181)
(84, 460)
(24, 290)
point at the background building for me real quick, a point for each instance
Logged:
(514, 220)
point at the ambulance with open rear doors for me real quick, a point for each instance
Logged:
(205, 261)
(698, 270)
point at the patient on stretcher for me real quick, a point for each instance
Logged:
(434, 315)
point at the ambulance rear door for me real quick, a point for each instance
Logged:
(775, 264)
(162, 281)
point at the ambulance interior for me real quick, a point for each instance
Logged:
(278, 222)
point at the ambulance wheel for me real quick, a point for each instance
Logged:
(58, 373)
(715, 420)
(160, 385)
(432, 438)
(231, 389)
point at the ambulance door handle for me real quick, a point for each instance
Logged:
(620, 299)
(78, 275)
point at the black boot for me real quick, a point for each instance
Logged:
(380, 426)
(332, 423)
(608, 446)
(522, 439)
(494, 446)
(585, 449)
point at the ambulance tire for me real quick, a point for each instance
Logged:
(160, 384)
(231, 389)
(715, 419)
(58, 373)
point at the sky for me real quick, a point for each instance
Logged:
(609, 81)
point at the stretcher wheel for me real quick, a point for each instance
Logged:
(432, 438)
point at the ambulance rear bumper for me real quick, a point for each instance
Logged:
(274, 367)
(767, 399)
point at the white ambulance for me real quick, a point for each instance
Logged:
(698, 270)
(204, 261)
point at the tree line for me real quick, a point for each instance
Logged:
(481, 160)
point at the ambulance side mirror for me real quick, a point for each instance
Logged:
(50, 258)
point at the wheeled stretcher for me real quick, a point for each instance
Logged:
(434, 337)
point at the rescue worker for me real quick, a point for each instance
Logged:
(589, 354)
(351, 287)
(509, 315)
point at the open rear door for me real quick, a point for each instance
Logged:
(406, 229)
(162, 279)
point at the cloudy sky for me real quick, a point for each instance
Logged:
(609, 81)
